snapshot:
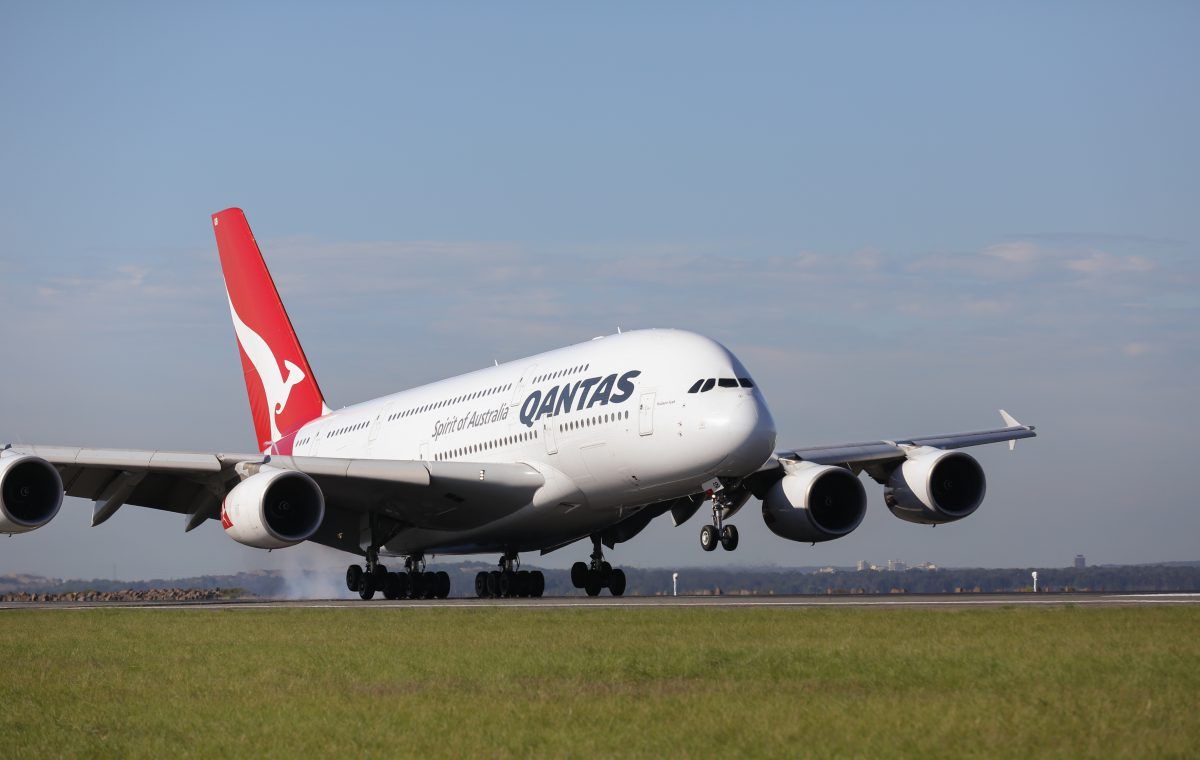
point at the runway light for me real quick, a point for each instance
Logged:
(674, 584)
(1035, 581)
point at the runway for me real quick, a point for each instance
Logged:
(883, 601)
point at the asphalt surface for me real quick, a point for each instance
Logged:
(892, 601)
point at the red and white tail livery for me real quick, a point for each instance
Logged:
(283, 390)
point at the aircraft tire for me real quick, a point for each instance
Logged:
(429, 585)
(593, 585)
(403, 585)
(391, 588)
(537, 585)
(354, 575)
(366, 587)
(443, 584)
(729, 537)
(481, 589)
(616, 582)
(709, 538)
(579, 573)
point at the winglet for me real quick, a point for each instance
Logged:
(1011, 421)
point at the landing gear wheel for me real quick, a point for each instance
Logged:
(729, 537)
(537, 584)
(506, 585)
(429, 584)
(616, 582)
(493, 583)
(481, 585)
(391, 588)
(442, 587)
(354, 575)
(523, 583)
(579, 573)
(605, 572)
(403, 587)
(366, 587)
(593, 585)
(709, 538)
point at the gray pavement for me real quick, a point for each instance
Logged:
(889, 601)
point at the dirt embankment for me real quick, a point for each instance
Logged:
(128, 595)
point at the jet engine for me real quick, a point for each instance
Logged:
(273, 509)
(815, 502)
(934, 486)
(31, 492)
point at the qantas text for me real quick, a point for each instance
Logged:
(583, 394)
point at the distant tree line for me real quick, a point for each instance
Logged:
(697, 580)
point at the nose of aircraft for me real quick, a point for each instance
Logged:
(746, 433)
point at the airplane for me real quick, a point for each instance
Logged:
(592, 441)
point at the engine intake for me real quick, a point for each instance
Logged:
(815, 503)
(934, 486)
(273, 509)
(31, 493)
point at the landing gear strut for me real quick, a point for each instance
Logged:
(598, 574)
(717, 533)
(415, 583)
(510, 580)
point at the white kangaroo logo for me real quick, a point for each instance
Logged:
(276, 388)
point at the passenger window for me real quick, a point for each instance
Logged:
(708, 385)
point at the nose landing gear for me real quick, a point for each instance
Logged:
(598, 574)
(717, 533)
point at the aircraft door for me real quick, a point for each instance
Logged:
(373, 433)
(646, 414)
(550, 438)
(524, 382)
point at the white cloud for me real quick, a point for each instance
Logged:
(1102, 263)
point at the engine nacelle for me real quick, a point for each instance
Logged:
(273, 509)
(815, 502)
(31, 493)
(934, 486)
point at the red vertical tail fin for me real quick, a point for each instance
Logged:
(283, 390)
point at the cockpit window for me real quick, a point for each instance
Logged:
(696, 386)
(727, 382)
(708, 385)
(745, 382)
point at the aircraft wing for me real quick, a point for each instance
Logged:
(860, 456)
(434, 495)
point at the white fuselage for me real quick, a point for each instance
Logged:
(609, 423)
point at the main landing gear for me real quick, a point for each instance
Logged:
(597, 575)
(716, 533)
(509, 581)
(415, 583)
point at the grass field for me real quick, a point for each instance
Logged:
(484, 682)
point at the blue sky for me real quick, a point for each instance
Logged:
(900, 217)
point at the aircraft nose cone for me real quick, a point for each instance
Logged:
(747, 434)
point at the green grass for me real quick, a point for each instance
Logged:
(485, 682)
